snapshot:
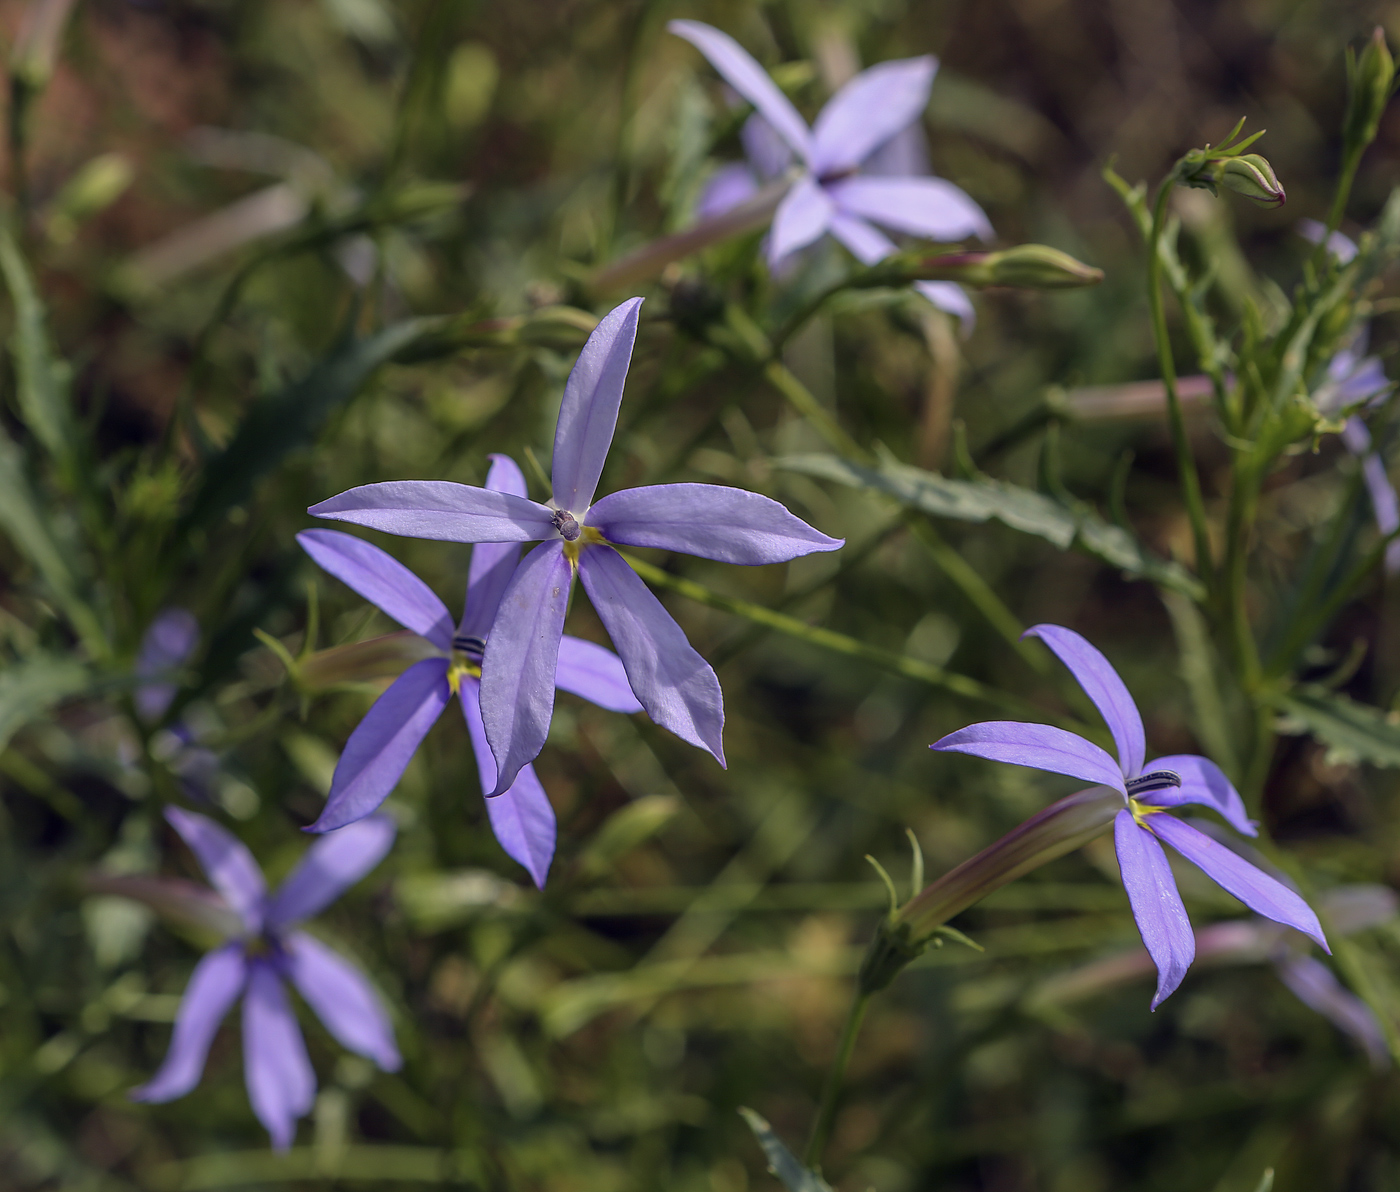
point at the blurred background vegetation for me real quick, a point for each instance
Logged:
(226, 204)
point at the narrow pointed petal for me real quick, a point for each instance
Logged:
(1263, 894)
(738, 68)
(214, 986)
(1040, 746)
(904, 155)
(588, 414)
(596, 673)
(728, 187)
(522, 656)
(1313, 984)
(1157, 906)
(864, 241)
(522, 818)
(342, 999)
(169, 639)
(869, 110)
(1203, 783)
(929, 207)
(493, 563)
(731, 525)
(330, 867)
(676, 686)
(382, 580)
(1101, 684)
(950, 297)
(803, 216)
(441, 510)
(767, 152)
(384, 742)
(281, 1082)
(226, 862)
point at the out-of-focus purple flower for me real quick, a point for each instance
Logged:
(856, 167)
(382, 745)
(673, 683)
(278, 1073)
(1148, 791)
(169, 640)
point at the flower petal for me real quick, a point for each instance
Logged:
(950, 297)
(169, 639)
(1263, 894)
(904, 155)
(330, 867)
(768, 153)
(1203, 783)
(588, 414)
(728, 187)
(384, 742)
(493, 563)
(281, 1082)
(382, 580)
(440, 509)
(1313, 983)
(1101, 683)
(865, 242)
(869, 110)
(738, 68)
(929, 207)
(714, 521)
(803, 215)
(523, 817)
(522, 656)
(342, 999)
(214, 986)
(1040, 746)
(228, 865)
(596, 673)
(1157, 906)
(676, 686)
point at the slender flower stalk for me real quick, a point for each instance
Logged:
(1147, 792)
(385, 741)
(266, 950)
(851, 170)
(671, 681)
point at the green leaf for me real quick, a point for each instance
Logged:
(987, 500)
(42, 379)
(1351, 731)
(28, 689)
(794, 1177)
(291, 418)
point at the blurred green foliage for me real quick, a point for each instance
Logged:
(277, 248)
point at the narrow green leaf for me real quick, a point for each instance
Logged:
(987, 500)
(28, 689)
(1351, 731)
(291, 418)
(42, 379)
(794, 1177)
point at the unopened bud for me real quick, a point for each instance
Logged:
(1370, 81)
(1027, 267)
(36, 47)
(1252, 176)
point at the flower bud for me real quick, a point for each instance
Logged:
(1027, 267)
(1252, 176)
(1370, 81)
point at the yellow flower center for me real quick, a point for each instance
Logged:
(1141, 811)
(588, 536)
(461, 665)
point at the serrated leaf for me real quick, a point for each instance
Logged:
(28, 689)
(41, 378)
(291, 418)
(781, 1162)
(1351, 730)
(1019, 508)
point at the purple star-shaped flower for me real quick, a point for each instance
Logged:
(383, 743)
(853, 175)
(673, 683)
(1144, 822)
(281, 1082)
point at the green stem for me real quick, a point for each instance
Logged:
(840, 643)
(805, 403)
(1339, 200)
(1244, 504)
(831, 1087)
(1185, 461)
